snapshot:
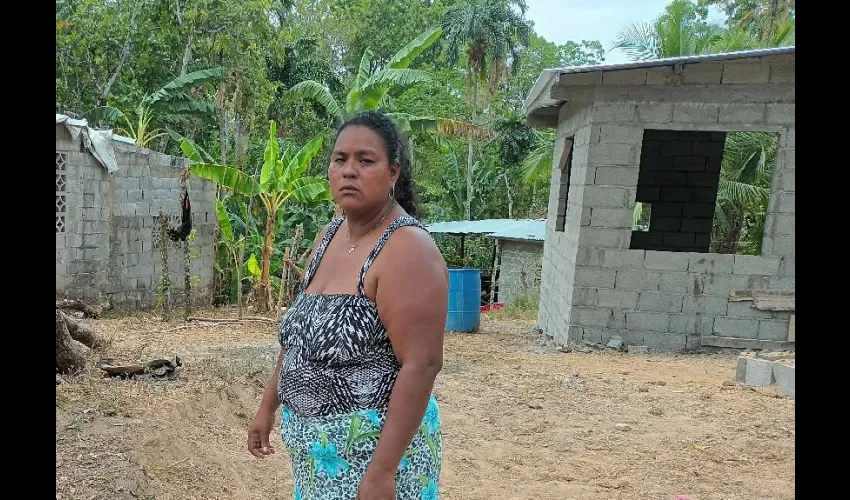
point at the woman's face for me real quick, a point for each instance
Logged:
(360, 173)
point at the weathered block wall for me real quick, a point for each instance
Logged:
(594, 286)
(560, 247)
(520, 268)
(106, 249)
(679, 176)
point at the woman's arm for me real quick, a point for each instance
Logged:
(412, 298)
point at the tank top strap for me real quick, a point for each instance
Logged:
(333, 227)
(399, 222)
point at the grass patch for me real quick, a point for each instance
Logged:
(522, 307)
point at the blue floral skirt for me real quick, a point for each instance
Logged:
(330, 454)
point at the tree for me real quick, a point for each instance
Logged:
(170, 104)
(492, 34)
(371, 88)
(281, 181)
(682, 30)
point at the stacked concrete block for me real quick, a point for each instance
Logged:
(762, 370)
(106, 249)
(520, 267)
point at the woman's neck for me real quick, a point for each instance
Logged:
(361, 223)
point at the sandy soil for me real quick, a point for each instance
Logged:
(521, 421)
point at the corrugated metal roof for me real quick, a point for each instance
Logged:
(548, 76)
(508, 229)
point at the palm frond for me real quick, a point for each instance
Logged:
(639, 41)
(363, 73)
(183, 83)
(311, 89)
(408, 53)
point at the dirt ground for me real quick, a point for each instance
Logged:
(521, 421)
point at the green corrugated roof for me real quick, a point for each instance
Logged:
(509, 229)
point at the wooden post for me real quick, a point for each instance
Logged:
(497, 258)
(463, 250)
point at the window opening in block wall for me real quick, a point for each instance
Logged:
(708, 191)
(564, 185)
(61, 195)
(640, 216)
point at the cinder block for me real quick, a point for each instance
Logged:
(611, 154)
(784, 245)
(692, 324)
(741, 368)
(757, 265)
(666, 261)
(603, 237)
(787, 267)
(596, 196)
(655, 112)
(580, 79)
(592, 257)
(659, 302)
(696, 112)
(665, 342)
(623, 259)
(617, 299)
(676, 283)
(590, 316)
(613, 112)
(784, 376)
(782, 72)
(611, 217)
(659, 76)
(637, 280)
(744, 309)
(773, 330)
(705, 304)
(617, 176)
(589, 334)
(759, 373)
(648, 321)
(583, 296)
(786, 202)
(594, 277)
(703, 73)
(746, 72)
(742, 113)
(624, 77)
(736, 327)
(780, 114)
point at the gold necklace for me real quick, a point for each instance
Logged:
(348, 229)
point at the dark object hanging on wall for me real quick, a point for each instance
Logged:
(181, 232)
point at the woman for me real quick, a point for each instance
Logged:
(362, 342)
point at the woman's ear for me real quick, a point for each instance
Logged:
(395, 172)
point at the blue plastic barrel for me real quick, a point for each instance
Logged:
(464, 300)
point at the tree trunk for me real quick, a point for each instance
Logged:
(125, 52)
(470, 189)
(78, 305)
(497, 258)
(69, 356)
(263, 291)
(510, 197)
(187, 280)
(187, 55)
(81, 333)
(238, 256)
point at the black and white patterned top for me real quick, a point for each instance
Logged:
(338, 357)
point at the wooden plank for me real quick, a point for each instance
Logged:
(737, 343)
(791, 322)
(782, 304)
(744, 295)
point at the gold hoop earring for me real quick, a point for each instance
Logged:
(392, 192)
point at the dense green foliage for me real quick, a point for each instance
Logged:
(455, 72)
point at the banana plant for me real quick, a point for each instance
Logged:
(235, 248)
(170, 104)
(281, 181)
(371, 91)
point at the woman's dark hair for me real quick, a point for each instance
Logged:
(395, 145)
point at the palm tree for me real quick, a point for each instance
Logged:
(170, 104)
(743, 192)
(281, 181)
(680, 31)
(492, 34)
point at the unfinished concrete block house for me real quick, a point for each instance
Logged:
(108, 194)
(653, 132)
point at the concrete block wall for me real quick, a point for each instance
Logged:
(594, 285)
(520, 268)
(678, 178)
(107, 247)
